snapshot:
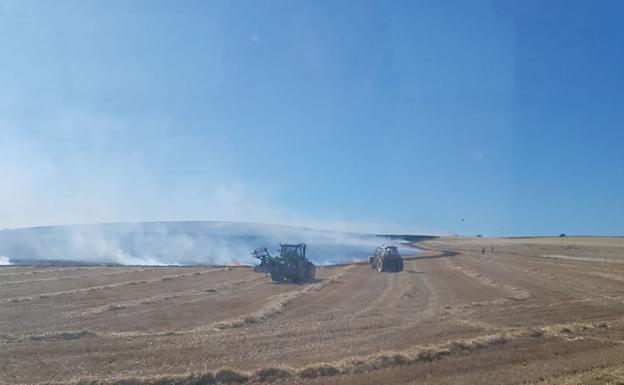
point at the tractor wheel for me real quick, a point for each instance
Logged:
(380, 265)
(399, 265)
(298, 274)
(277, 274)
(310, 272)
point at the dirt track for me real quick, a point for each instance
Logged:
(533, 311)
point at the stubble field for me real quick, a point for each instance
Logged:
(533, 310)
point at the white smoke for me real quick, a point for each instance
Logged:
(4, 261)
(90, 168)
(178, 243)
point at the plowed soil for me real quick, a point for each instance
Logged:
(530, 310)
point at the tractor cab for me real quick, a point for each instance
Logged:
(392, 251)
(293, 250)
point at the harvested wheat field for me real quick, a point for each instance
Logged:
(533, 310)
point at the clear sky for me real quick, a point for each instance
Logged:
(416, 116)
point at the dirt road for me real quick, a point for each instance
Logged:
(536, 310)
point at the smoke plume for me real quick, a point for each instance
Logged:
(176, 243)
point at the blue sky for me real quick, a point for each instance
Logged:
(417, 116)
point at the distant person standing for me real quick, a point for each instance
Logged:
(483, 250)
(492, 249)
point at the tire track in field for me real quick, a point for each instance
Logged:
(529, 281)
(407, 285)
(559, 285)
(274, 306)
(32, 272)
(307, 325)
(588, 281)
(360, 364)
(554, 298)
(568, 267)
(515, 293)
(336, 317)
(458, 287)
(408, 301)
(374, 306)
(84, 276)
(216, 288)
(106, 287)
(597, 264)
(444, 289)
(435, 306)
(411, 289)
(403, 290)
(434, 303)
(461, 313)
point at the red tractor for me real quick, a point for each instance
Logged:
(386, 258)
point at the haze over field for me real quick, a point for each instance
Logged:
(176, 243)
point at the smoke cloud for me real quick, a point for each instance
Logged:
(73, 167)
(177, 243)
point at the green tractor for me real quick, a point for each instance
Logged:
(290, 264)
